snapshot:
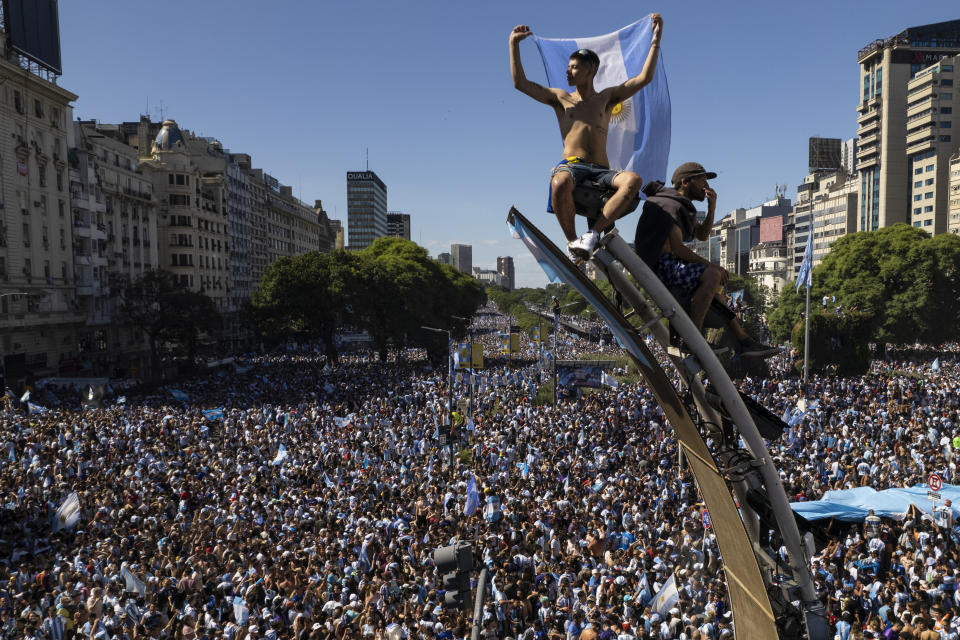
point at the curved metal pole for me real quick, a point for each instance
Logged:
(741, 417)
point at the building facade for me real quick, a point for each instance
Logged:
(931, 103)
(39, 312)
(899, 128)
(461, 256)
(827, 204)
(366, 209)
(115, 241)
(398, 224)
(955, 193)
(506, 271)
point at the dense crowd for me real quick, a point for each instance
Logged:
(311, 507)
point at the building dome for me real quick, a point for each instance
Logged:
(169, 135)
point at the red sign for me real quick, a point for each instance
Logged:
(934, 482)
(706, 519)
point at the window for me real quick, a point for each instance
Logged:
(928, 195)
(916, 211)
(946, 110)
(918, 171)
(180, 177)
(944, 138)
(918, 183)
(18, 102)
(917, 198)
(928, 209)
(170, 178)
(946, 67)
(28, 268)
(26, 234)
(37, 108)
(929, 181)
(945, 124)
(945, 82)
(930, 168)
(928, 222)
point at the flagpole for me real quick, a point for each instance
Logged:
(806, 344)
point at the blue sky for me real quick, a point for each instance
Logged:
(307, 87)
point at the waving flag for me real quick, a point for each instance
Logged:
(213, 414)
(473, 498)
(179, 396)
(68, 514)
(281, 456)
(666, 597)
(805, 275)
(638, 138)
(936, 365)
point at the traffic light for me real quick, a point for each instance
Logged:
(454, 564)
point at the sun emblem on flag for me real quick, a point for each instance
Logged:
(620, 112)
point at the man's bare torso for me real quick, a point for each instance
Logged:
(583, 125)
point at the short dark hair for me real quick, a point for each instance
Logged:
(585, 55)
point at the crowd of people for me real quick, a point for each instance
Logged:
(310, 506)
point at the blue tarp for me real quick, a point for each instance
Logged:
(852, 505)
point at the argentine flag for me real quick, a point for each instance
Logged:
(805, 275)
(639, 135)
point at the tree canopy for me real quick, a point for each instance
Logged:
(391, 290)
(904, 281)
(171, 316)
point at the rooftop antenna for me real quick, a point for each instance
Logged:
(368, 158)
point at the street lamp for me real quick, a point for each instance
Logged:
(449, 382)
(470, 337)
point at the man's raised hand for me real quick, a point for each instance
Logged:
(657, 27)
(520, 32)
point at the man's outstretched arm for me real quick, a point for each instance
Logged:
(532, 89)
(627, 89)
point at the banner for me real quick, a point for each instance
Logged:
(579, 376)
(463, 356)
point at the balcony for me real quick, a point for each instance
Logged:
(868, 128)
(920, 134)
(869, 140)
(869, 116)
(922, 144)
(920, 106)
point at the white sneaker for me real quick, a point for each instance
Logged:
(585, 245)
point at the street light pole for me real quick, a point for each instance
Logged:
(469, 337)
(449, 383)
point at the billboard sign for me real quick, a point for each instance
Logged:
(33, 30)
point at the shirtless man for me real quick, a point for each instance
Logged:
(584, 116)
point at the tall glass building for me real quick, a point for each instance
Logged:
(366, 209)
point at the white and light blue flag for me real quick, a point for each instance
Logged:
(805, 275)
(213, 414)
(639, 135)
(179, 396)
(936, 365)
(68, 514)
(609, 380)
(131, 582)
(281, 455)
(667, 597)
(473, 498)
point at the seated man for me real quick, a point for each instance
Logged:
(584, 118)
(668, 220)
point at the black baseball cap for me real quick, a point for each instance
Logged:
(691, 170)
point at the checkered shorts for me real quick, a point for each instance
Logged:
(678, 274)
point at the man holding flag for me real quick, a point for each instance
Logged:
(585, 119)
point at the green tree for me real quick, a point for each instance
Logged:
(905, 282)
(309, 295)
(169, 314)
